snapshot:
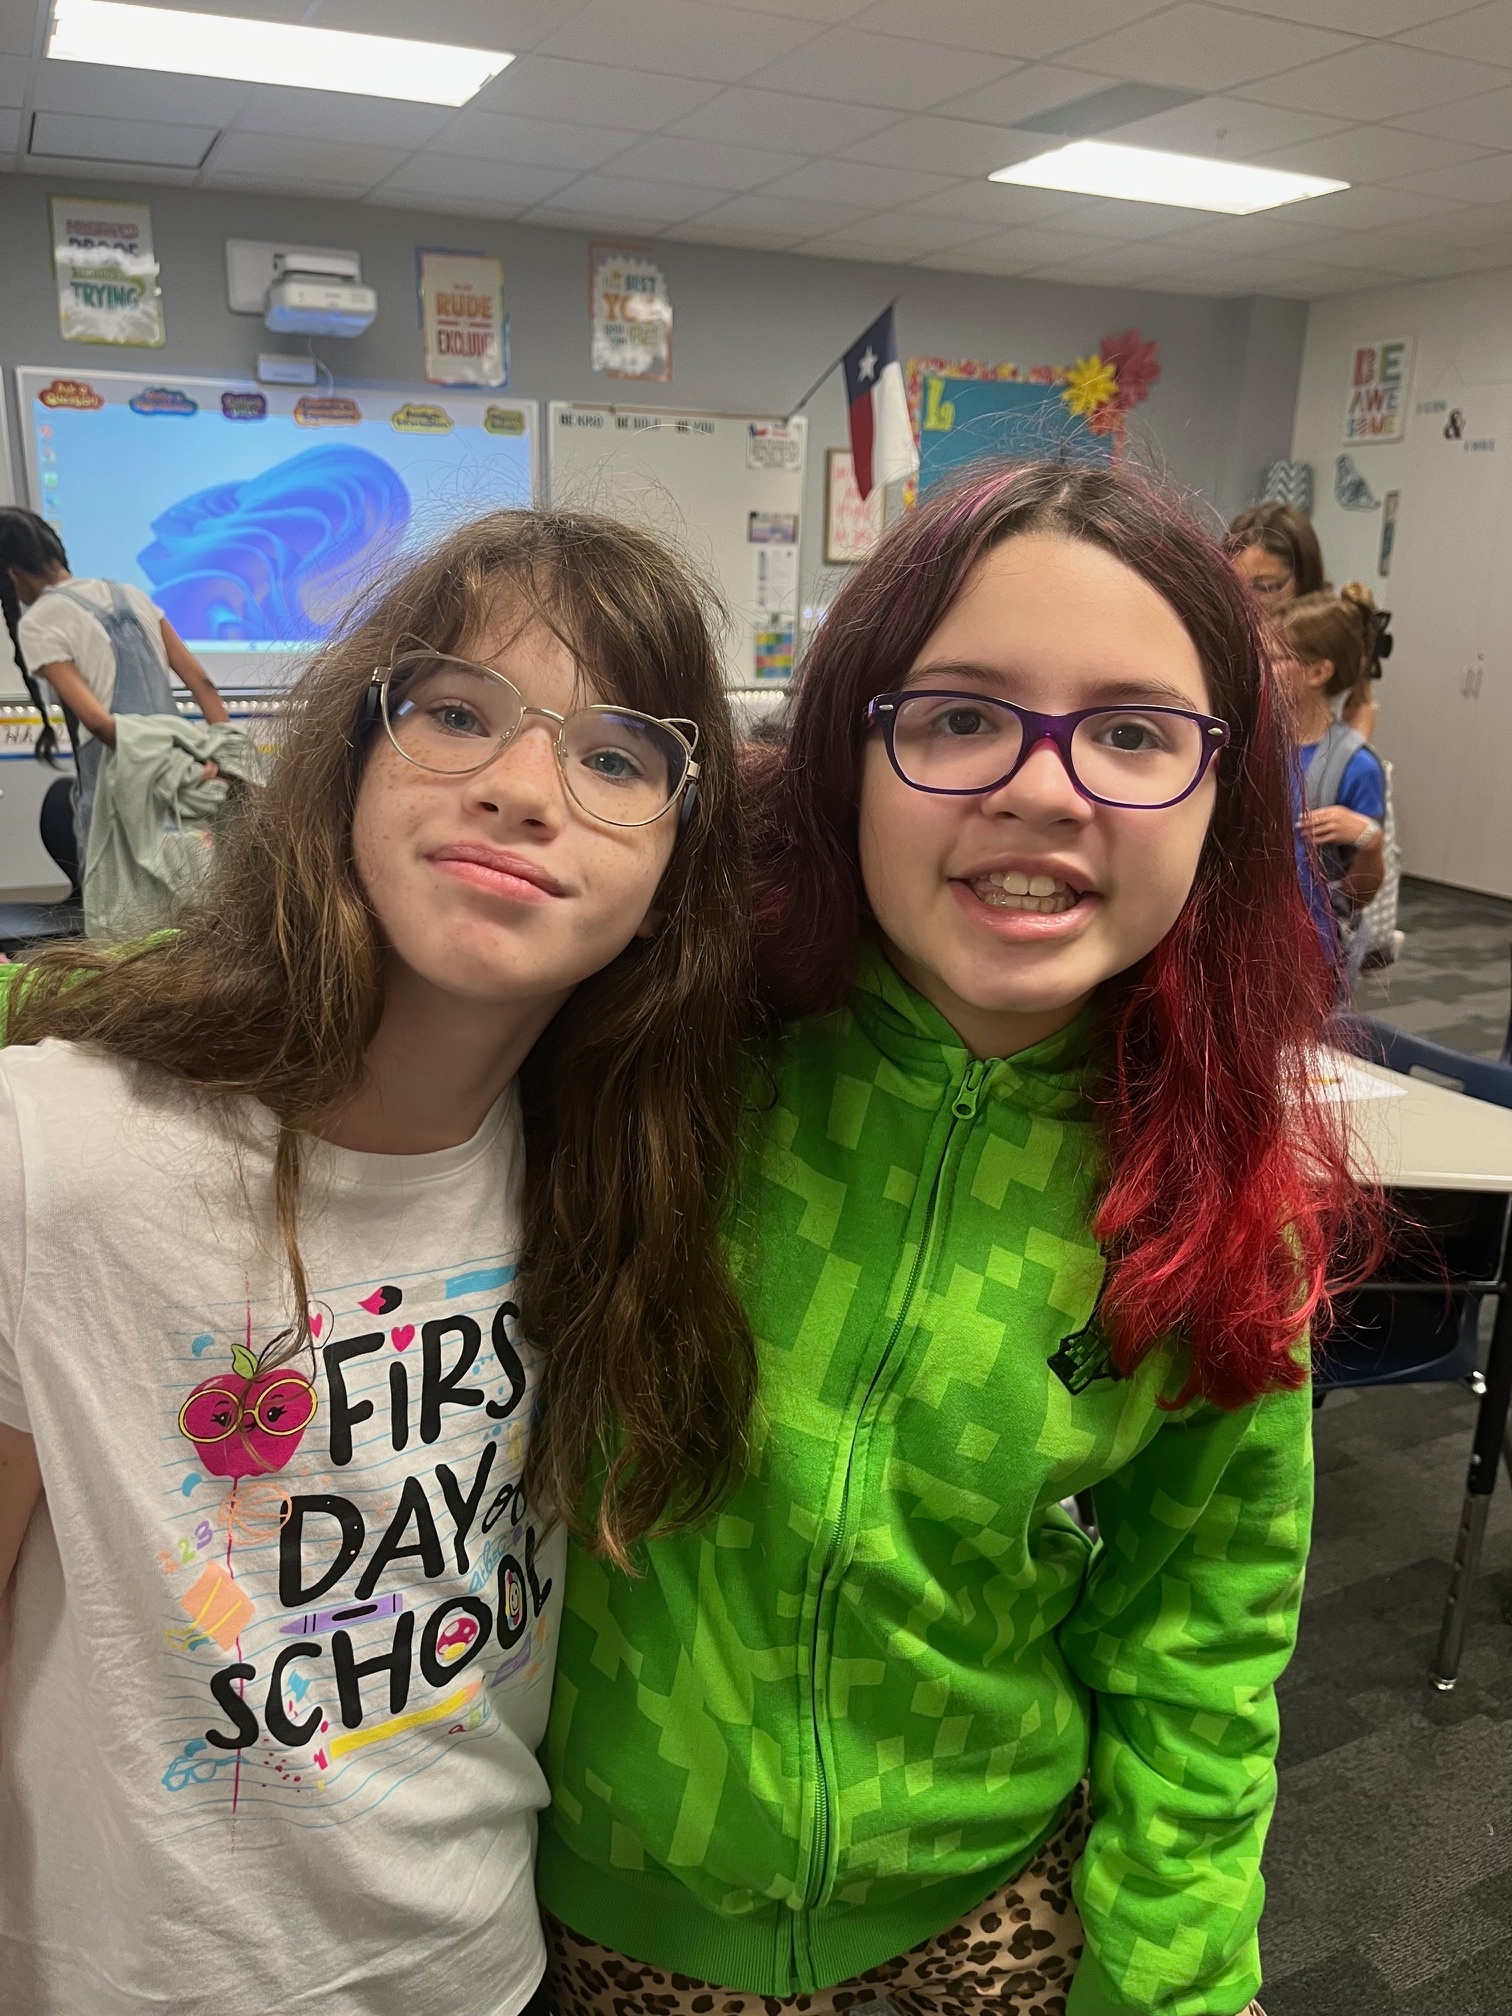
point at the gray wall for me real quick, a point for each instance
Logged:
(752, 329)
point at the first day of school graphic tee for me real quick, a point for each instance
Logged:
(278, 1649)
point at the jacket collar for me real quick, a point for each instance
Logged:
(1051, 1077)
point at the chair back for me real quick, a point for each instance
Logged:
(1398, 1050)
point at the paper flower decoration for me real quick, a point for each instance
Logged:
(1135, 362)
(1090, 383)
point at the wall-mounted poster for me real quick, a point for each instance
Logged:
(852, 523)
(1380, 377)
(462, 319)
(631, 311)
(970, 420)
(107, 273)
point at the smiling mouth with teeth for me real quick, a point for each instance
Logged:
(1011, 889)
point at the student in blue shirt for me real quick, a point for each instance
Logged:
(1330, 652)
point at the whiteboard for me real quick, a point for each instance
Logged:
(725, 488)
(1446, 698)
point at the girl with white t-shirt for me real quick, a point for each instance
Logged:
(343, 1235)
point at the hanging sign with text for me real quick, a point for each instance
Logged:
(107, 273)
(632, 316)
(462, 319)
(1380, 377)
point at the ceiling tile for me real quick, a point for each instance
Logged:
(1241, 237)
(1365, 209)
(1206, 48)
(947, 146)
(1336, 280)
(18, 27)
(826, 12)
(14, 78)
(1023, 94)
(1351, 248)
(445, 176)
(135, 94)
(699, 231)
(999, 30)
(1265, 276)
(782, 216)
(1486, 120)
(1373, 154)
(1105, 216)
(1484, 35)
(1444, 261)
(678, 37)
(476, 24)
(1033, 245)
(327, 163)
(1354, 17)
(538, 143)
(880, 70)
(970, 259)
(998, 203)
(625, 196)
(78, 136)
(769, 119)
(386, 198)
(10, 132)
(338, 115)
(143, 173)
(1481, 225)
(1376, 80)
(703, 163)
(1232, 129)
(595, 94)
(1488, 180)
(897, 236)
(854, 182)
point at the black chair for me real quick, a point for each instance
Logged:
(24, 925)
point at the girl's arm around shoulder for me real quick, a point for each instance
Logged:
(1188, 1618)
(20, 1477)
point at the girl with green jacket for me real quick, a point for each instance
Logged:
(1036, 1206)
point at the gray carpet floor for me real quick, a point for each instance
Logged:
(1389, 1865)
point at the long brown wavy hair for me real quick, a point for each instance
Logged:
(273, 987)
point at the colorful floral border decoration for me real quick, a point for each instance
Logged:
(1103, 386)
(1116, 377)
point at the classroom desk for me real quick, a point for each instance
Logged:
(1430, 1139)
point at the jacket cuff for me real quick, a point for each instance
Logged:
(1093, 1992)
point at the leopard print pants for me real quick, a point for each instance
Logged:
(1013, 1956)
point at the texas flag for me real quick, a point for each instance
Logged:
(882, 443)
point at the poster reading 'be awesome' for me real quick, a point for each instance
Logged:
(1380, 375)
(462, 317)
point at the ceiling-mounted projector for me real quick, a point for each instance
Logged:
(319, 294)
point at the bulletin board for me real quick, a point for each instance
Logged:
(254, 515)
(726, 488)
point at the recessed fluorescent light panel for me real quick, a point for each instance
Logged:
(1142, 175)
(269, 52)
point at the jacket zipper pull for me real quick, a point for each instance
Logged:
(970, 1091)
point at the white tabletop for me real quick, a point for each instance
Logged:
(1428, 1138)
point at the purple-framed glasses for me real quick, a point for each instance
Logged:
(1136, 758)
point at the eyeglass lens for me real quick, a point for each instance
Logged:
(1128, 755)
(447, 715)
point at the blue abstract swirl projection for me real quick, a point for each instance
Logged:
(278, 557)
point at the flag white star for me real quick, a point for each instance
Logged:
(866, 365)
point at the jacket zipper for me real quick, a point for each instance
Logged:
(963, 1109)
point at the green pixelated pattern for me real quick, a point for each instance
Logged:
(851, 1705)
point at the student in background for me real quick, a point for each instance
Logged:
(102, 647)
(1276, 554)
(1331, 643)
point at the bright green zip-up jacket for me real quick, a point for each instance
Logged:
(846, 1710)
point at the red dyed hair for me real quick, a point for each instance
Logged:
(1227, 1195)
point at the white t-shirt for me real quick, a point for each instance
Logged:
(266, 1740)
(54, 628)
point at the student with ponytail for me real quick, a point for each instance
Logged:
(1037, 1205)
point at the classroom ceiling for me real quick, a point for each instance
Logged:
(860, 129)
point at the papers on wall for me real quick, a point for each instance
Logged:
(631, 311)
(464, 329)
(107, 273)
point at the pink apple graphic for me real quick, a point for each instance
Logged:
(247, 1422)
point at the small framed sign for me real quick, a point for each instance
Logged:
(852, 523)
